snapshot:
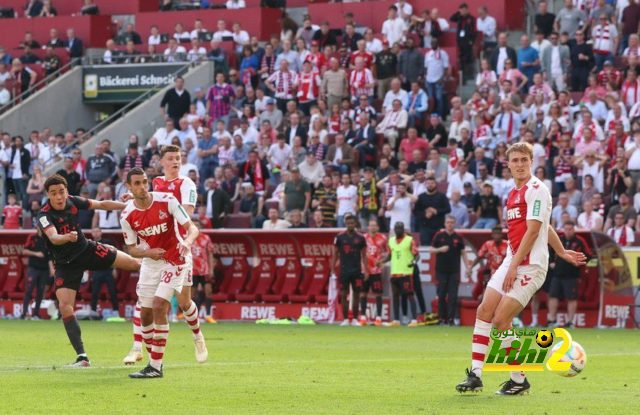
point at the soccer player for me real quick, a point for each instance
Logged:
(203, 265)
(184, 190)
(153, 218)
(73, 254)
(522, 272)
(494, 251)
(39, 271)
(403, 253)
(351, 247)
(377, 245)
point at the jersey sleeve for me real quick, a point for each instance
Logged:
(414, 247)
(177, 211)
(45, 221)
(80, 202)
(188, 192)
(336, 241)
(130, 236)
(538, 201)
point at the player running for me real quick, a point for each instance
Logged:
(184, 190)
(377, 245)
(153, 218)
(351, 247)
(203, 268)
(522, 272)
(73, 254)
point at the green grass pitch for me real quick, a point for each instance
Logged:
(299, 370)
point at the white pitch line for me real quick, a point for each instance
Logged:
(14, 369)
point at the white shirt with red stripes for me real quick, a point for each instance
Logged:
(284, 83)
(358, 80)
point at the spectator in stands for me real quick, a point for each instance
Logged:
(283, 83)
(334, 84)
(411, 65)
(33, 8)
(621, 232)
(105, 219)
(25, 76)
(218, 203)
(222, 34)
(5, 96)
(528, 60)
(74, 181)
(99, 168)
(437, 68)
(312, 169)
(589, 219)
(154, 37)
(208, 153)
(297, 193)
(89, 8)
(488, 208)
(393, 121)
(307, 30)
(20, 160)
(465, 37)
(501, 54)
(47, 10)
(235, 4)
(582, 62)
(253, 205)
(275, 222)
(459, 211)
(12, 214)
(543, 20)
(132, 159)
(340, 155)
(197, 52)
(111, 55)
(351, 37)
(175, 52)
(480, 163)
(165, 135)
(458, 123)
(372, 45)
(5, 58)
(411, 143)
(430, 209)
(605, 40)
(325, 200)
(325, 36)
(619, 179)
(74, 45)
(624, 208)
(29, 41)
(254, 171)
(219, 99)
(486, 25)
(181, 35)
(570, 19)
(394, 28)
(362, 81)
(386, 64)
(53, 39)
(540, 44)
(51, 62)
(562, 207)
(319, 222)
(130, 34)
(28, 57)
(35, 186)
(437, 166)
(629, 22)
(555, 62)
(130, 54)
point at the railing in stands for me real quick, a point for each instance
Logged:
(123, 111)
(37, 86)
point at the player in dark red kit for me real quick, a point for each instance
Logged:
(73, 254)
(203, 265)
(351, 247)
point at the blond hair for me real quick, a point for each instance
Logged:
(521, 147)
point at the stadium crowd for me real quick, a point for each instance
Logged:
(305, 130)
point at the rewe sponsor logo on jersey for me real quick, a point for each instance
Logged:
(154, 230)
(513, 214)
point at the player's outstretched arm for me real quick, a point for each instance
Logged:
(576, 258)
(58, 239)
(107, 205)
(155, 253)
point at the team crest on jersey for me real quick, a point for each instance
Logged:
(163, 215)
(517, 199)
(172, 186)
(136, 224)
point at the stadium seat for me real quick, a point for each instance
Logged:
(286, 282)
(261, 282)
(314, 283)
(442, 187)
(271, 204)
(235, 277)
(236, 207)
(238, 221)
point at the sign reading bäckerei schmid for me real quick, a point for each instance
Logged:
(123, 83)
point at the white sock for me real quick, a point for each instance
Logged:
(516, 375)
(534, 319)
(479, 346)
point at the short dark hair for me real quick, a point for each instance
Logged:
(55, 180)
(431, 178)
(136, 171)
(497, 228)
(569, 222)
(169, 149)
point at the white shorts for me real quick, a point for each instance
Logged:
(159, 279)
(529, 279)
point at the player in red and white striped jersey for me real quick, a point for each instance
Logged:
(184, 190)
(153, 218)
(522, 272)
